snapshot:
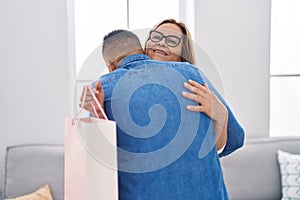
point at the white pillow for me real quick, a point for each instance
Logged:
(290, 175)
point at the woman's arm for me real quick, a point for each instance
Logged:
(229, 132)
(211, 106)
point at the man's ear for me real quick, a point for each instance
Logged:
(109, 64)
(112, 67)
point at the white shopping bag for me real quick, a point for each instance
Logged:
(90, 159)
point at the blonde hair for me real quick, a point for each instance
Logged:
(188, 52)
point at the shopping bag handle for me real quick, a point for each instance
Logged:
(88, 87)
(97, 103)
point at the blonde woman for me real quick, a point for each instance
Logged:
(161, 45)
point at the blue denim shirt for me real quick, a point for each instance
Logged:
(164, 150)
(235, 132)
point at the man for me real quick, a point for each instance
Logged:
(164, 151)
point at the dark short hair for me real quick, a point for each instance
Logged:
(120, 37)
(110, 35)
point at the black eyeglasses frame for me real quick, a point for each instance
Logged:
(166, 38)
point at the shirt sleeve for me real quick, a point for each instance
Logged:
(235, 132)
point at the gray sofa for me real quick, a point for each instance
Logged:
(31, 166)
(252, 172)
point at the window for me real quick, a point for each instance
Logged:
(93, 19)
(285, 68)
(146, 13)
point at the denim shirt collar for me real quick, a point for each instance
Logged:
(132, 58)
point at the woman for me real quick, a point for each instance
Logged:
(171, 41)
(183, 52)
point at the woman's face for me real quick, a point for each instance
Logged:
(164, 50)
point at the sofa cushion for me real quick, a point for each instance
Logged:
(290, 174)
(28, 167)
(253, 172)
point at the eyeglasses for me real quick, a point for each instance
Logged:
(171, 40)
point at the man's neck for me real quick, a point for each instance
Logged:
(120, 59)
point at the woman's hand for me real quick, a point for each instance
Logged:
(209, 104)
(207, 100)
(90, 103)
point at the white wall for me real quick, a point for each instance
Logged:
(236, 36)
(36, 78)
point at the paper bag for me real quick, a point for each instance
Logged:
(90, 159)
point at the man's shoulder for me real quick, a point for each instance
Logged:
(184, 65)
(114, 75)
(185, 69)
(188, 70)
(175, 65)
